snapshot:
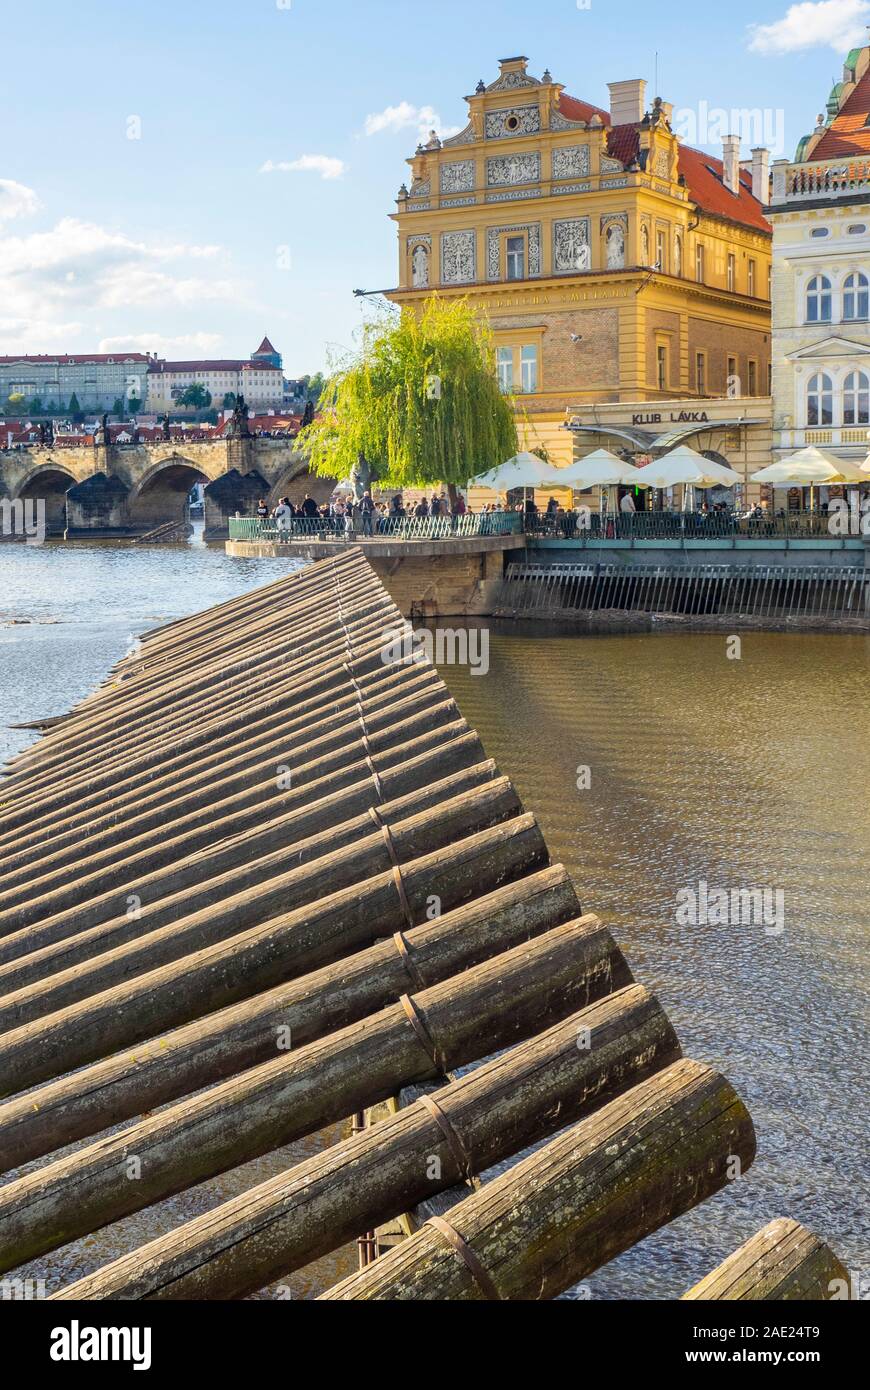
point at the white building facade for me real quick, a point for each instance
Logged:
(820, 213)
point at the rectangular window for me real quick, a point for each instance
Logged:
(752, 377)
(770, 378)
(701, 373)
(732, 273)
(699, 264)
(750, 278)
(662, 366)
(505, 362)
(515, 256)
(529, 368)
(661, 253)
(732, 383)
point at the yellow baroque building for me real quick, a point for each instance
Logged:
(615, 263)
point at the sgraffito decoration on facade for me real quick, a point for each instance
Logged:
(514, 169)
(519, 120)
(493, 246)
(571, 249)
(571, 162)
(458, 258)
(457, 178)
(610, 166)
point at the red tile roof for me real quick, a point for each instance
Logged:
(66, 359)
(702, 172)
(229, 364)
(849, 132)
(265, 346)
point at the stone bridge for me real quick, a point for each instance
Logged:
(128, 489)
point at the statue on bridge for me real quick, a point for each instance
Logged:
(165, 423)
(238, 428)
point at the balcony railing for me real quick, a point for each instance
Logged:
(831, 178)
(401, 528)
(680, 526)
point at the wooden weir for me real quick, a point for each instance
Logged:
(260, 881)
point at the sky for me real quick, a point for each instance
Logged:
(185, 176)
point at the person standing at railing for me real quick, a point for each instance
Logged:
(367, 508)
(349, 517)
(283, 514)
(263, 509)
(309, 507)
(422, 508)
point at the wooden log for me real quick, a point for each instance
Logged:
(520, 1097)
(123, 950)
(286, 947)
(784, 1262)
(156, 846)
(617, 1176)
(486, 1008)
(210, 1049)
(239, 865)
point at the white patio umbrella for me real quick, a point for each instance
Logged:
(811, 467)
(523, 470)
(601, 469)
(684, 467)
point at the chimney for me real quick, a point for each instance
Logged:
(761, 175)
(627, 101)
(731, 162)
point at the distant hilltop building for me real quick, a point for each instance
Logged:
(614, 262)
(96, 379)
(260, 379)
(821, 283)
(153, 384)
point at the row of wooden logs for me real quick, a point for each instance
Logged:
(281, 810)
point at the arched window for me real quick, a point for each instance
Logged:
(856, 296)
(819, 300)
(856, 399)
(820, 400)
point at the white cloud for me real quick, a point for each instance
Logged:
(323, 164)
(185, 344)
(422, 119)
(51, 281)
(16, 200)
(837, 24)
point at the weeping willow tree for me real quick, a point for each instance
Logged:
(419, 405)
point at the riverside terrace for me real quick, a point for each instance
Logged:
(438, 567)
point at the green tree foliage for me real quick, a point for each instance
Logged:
(118, 408)
(196, 397)
(229, 400)
(75, 411)
(36, 406)
(15, 401)
(419, 405)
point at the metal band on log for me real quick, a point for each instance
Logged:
(783, 1262)
(640, 1161)
(498, 1002)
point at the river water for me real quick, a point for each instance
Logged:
(654, 763)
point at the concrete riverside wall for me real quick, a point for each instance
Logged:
(424, 578)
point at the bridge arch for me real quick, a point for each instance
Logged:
(48, 482)
(161, 494)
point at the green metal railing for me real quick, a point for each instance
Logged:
(585, 526)
(407, 528)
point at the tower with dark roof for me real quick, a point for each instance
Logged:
(268, 354)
